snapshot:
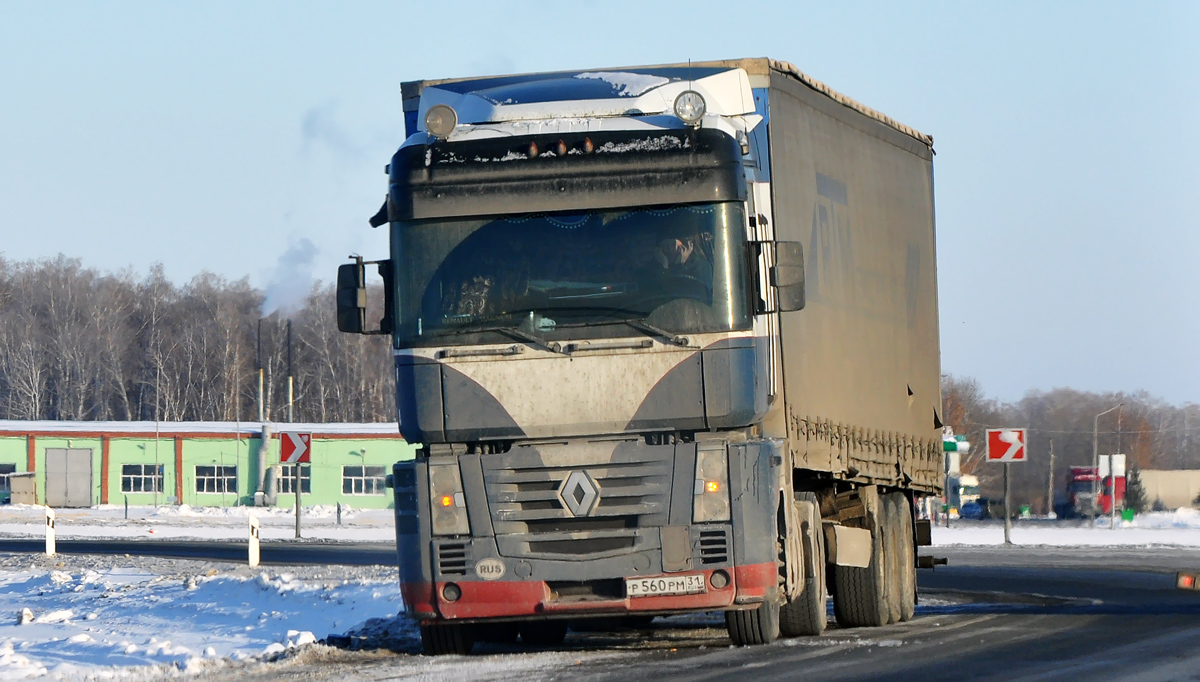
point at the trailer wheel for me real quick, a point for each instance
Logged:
(860, 594)
(754, 626)
(443, 638)
(908, 558)
(806, 615)
(544, 633)
(893, 554)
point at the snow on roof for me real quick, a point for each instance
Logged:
(624, 83)
(15, 427)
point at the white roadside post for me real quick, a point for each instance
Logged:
(51, 548)
(253, 554)
(1007, 446)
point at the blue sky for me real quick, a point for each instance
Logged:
(220, 136)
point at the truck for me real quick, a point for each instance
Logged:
(1089, 491)
(667, 339)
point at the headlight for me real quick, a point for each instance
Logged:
(712, 485)
(446, 498)
(690, 107)
(440, 120)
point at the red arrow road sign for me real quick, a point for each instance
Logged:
(293, 447)
(1006, 445)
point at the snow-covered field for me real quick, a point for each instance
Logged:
(132, 618)
(199, 523)
(1180, 528)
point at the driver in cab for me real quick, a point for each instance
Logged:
(681, 262)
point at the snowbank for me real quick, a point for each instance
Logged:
(88, 622)
(1180, 528)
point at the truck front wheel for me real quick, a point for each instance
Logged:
(754, 626)
(806, 614)
(446, 638)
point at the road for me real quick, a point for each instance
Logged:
(272, 553)
(992, 614)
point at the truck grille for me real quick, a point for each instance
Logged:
(530, 518)
(452, 558)
(713, 545)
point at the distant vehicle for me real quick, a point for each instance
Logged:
(961, 490)
(1089, 495)
(974, 510)
(660, 334)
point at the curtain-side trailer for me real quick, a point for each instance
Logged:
(667, 337)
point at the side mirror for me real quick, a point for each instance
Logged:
(787, 276)
(352, 297)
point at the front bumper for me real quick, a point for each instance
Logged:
(534, 599)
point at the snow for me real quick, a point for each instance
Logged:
(143, 621)
(182, 522)
(626, 84)
(1180, 528)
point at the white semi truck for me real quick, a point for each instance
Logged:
(668, 339)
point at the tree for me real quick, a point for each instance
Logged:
(1135, 494)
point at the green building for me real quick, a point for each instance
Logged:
(84, 464)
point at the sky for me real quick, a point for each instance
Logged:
(249, 139)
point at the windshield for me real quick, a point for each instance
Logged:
(680, 269)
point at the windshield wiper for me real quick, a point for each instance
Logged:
(638, 323)
(657, 332)
(514, 332)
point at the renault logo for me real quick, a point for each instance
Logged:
(579, 493)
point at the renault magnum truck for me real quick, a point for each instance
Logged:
(667, 338)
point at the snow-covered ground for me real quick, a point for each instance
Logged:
(199, 523)
(129, 618)
(1179, 528)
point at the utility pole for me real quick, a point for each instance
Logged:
(259, 364)
(1112, 477)
(1096, 462)
(290, 375)
(1050, 483)
(296, 471)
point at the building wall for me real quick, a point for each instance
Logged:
(1174, 488)
(330, 453)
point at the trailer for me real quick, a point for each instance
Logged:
(667, 338)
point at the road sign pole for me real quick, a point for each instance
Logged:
(1112, 496)
(1007, 505)
(296, 487)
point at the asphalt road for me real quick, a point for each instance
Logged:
(271, 553)
(992, 614)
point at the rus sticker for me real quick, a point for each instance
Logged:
(490, 569)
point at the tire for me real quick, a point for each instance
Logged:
(543, 633)
(908, 559)
(893, 558)
(497, 633)
(444, 638)
(754, 626)
(859, 594)
(806, 615)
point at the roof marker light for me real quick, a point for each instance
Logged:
(690, 107)
(440, 120)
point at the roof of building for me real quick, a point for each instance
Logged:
(125, 428)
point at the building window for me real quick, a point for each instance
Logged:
(287, 476)
(362, 480)
(216, 479)
(141, 478)
(5, 470)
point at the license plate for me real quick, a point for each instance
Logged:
(672, 584)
